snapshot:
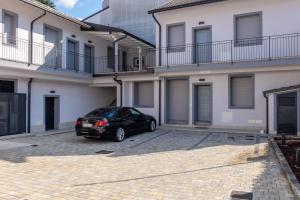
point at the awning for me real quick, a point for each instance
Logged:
(282, 89)
(111, 34)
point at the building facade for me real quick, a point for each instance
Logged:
(47, 65)
(216, 59)
(215, 64)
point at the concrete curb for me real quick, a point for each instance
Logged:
(294, 184)
(42, 134)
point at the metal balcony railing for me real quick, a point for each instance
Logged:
(126, 64)
(17, 50)
(233, 51)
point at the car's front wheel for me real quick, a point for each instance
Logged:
(120, 135)
(152, 126)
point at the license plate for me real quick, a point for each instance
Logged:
(87, 125)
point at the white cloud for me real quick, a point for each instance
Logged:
(67, 3)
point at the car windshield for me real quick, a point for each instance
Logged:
(102, 112)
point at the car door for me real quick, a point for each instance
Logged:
(127, 120)
(139, 118)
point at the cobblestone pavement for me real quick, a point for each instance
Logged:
(165, 164)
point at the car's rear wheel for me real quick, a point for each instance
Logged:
(152, 126)
(120, 135)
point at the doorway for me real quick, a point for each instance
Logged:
(51, 113)
(203, 45)
(203, 104)
(287, 113)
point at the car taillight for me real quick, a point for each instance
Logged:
(78, 122)
(102, 123)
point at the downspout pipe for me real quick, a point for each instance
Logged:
(267, 114)
(159, 39)
(29, 106)
(30, 50)
(159, 103)
(120, 82)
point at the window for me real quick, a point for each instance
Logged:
(10, 23)
(134, 112)
(136, 61)
(176, 37)
(144, 94)
(89, 59)
(241, 91)
(248, 29)
(72, 55)
(52, 47)
(7, 86)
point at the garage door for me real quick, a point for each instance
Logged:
(177, 101)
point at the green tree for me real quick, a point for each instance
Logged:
(48, 3)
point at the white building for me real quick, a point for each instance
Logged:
(217, 58)
(47, 63)
(222, 64)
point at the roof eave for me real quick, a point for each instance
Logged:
(183, 6)
(56, 13)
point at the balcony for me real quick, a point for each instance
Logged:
(50, 57)
(130, 61)
(252, 51)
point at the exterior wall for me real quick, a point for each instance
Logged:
(75, 100)
(129, 15)
(26, 14)
(128, 93)
(223, 116)
(278, 18)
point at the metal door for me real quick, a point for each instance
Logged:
(287, 113)
(203, 104)
(177, 101)
(203, 45)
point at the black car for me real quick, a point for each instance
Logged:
(115, 123)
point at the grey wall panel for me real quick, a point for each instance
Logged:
(177, 103)
(144, 94)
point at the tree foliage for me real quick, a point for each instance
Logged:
(48, 3)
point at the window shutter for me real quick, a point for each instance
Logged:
(144, 94)
(242, 91)
(176, 35)
(248, 27)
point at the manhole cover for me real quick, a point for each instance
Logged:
(104, 152)
(238, 195)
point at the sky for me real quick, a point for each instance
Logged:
(78, 8)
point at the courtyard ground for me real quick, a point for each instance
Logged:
(166, 164)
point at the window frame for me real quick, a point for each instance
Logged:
(135, 95)
(230, 77)
(59, 45)
(16, 23)
(77, 54)
(240, 42)
(174, 49)
(93, 57)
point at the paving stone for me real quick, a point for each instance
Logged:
(162, 165)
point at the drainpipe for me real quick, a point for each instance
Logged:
(159, 104)
(121, 91)
(30, 50)
(159, 39)
(267, 115)
(29, 106)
